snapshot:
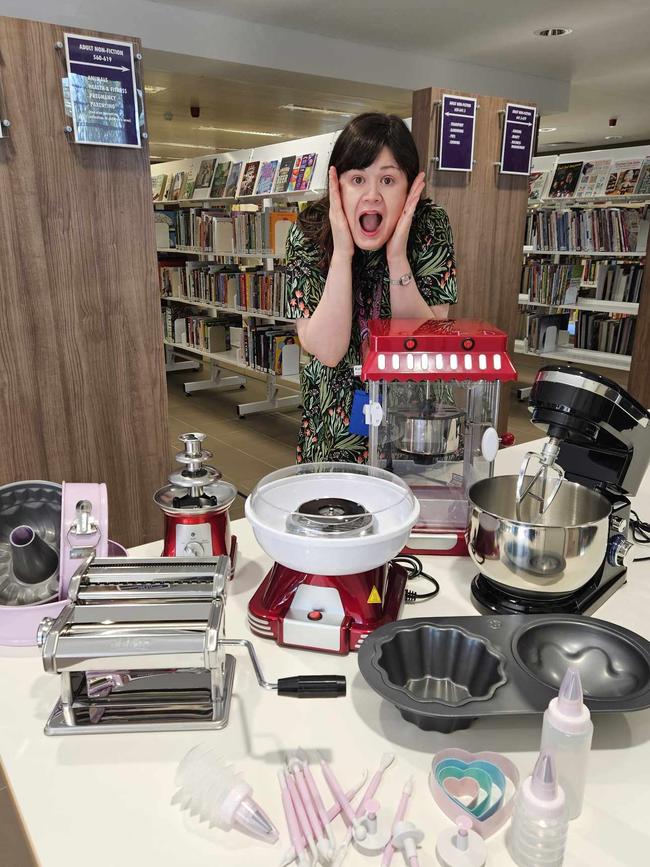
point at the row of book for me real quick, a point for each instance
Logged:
(251, 290)
(205, 333)
(226, 179)
(215, 230)
(271, 348)
(620, 230)
(605, 332)
(584, 179)
(569, 282)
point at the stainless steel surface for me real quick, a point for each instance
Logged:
(37, 504)
(435, 433)
(174, 701)
(519, 548)
(257, 668)
(331, 517)
(540, 476)
(159, 579)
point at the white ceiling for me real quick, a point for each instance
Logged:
(606, 58)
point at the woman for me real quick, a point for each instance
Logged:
(370, 249)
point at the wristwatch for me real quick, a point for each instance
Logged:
(404, 280)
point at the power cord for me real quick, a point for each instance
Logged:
(640, 532)
(414, 570)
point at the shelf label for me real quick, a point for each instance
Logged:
(518, 138)
(457, 133)
(103, 92)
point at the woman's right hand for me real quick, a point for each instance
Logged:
(341, 235)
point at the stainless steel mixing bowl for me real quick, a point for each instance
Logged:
(435, 433)
(518, 547)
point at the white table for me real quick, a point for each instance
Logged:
(105, 800)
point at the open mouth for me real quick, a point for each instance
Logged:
(370, 222)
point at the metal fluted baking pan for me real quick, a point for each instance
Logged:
(442, 673)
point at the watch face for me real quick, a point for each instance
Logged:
(405, 279)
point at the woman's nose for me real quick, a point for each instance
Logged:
(372, 193)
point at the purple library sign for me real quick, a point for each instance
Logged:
(457, 133)
(103, 91)
(518, 137)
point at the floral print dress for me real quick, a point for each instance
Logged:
(327, 392)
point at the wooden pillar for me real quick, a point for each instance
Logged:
(82, 389)
(638, 383)
(487, 212)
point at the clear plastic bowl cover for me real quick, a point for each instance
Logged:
(278, 496)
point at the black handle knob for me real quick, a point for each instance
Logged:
(313, 686)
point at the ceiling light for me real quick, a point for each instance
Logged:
(240, 131)
(613, 137)
(308, 108)
(554, 31)
(153, 88)
(548, 129)
(178, 144)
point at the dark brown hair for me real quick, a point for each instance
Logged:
(357, 147)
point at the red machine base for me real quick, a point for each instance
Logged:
(332, 613)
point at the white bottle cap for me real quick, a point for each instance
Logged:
(461, 847)
(567, 712)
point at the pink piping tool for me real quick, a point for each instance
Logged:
(295, 833)
(359, 829)
(389, 851)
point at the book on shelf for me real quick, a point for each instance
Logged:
(165, 225)
(593, 179)
(203, 182)
(219, 180)
(643, 184)
(293, 177)
(623, 177)
(178, 182)
(605, 332)
(284, 174)
(188, 188)
(536, 185)
(232, 185)
(247, 185)
(281, 223)
(565, 180)
(270, 348)
(305, 172)
(543, 330)
(589, 279)
(266, 178)
(158, 184)
(616, 230)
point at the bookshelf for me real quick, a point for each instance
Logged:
(601, 310)
(266, 259)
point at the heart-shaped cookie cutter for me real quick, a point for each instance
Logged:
(490, 771)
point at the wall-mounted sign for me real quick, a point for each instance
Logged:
(518, 139)
(457, 127)
(103, 92)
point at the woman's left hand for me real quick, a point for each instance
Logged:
(396, 246)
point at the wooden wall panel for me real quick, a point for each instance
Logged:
(82, 388)
(638, 383)
(487, 212)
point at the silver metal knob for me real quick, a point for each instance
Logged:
(619, 550)
(43, 630)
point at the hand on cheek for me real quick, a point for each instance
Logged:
(397, 243)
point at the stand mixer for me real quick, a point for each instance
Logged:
(332, 529)
(196, 503)
(554, 538)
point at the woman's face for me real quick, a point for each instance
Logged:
(373, 199)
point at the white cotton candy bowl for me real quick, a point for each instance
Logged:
(277, 496)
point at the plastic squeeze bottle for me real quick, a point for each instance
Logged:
(567, 731)
(540, 821)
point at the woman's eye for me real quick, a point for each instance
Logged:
(357, 179)
(388, 181)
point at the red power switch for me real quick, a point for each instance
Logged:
(315, 615)
(410, 343)
(468, 343)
